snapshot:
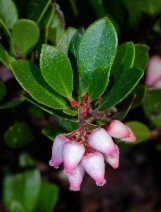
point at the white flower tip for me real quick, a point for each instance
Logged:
(52, 162)
(100, 182)
(118, 130)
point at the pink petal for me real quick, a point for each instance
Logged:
(113, 161)
(57, 154)
(153, 71)
(118, 130)
(72, 154)
(100, 140)
(132, 137)
(94, 165)
(158, 84)
(75, 178)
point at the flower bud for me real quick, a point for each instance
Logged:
(113, 161)
(94, 165)
(100, 140)
(75, 178)
(118, 130)
(72, 154)
(57, 154)
(153, 72)
(132, 137)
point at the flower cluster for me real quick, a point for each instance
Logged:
(153, 73)
(87, 152)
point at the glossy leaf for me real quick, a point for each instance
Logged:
(69, 41)
(42, 7)
(8, 12)
(48, 197)
(5, 58)
(11, 102)
(121, 88)
(97, 49)
(152, 106)
(2, 90)
(141, 56)
(8, 35)
(140, 130)
(70, 112)
(124, 107)
(58, 113)
(25, 42)
(29, 77)
(21, 191)
(18, 135)
(98, 82)
(56, 70)
(140, 93)
(123, 60)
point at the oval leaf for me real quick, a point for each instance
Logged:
(56, 70)
(2, 90)
(141, 56)
(121, 88)
(18, 135)
(26, 42)
(152, 106)
(8, 12)
(50, 193)
(140, 93)
(98, 82)
(21, 191)
(124, 59)
(97, 49)
(140, 130)
(5, 58)
(11, 102)
(30, 78)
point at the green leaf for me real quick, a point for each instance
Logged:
(141, 56)
(41, 9)
(124, 59)
(68, 126)
(51, 132)
(47, 18)
(98, 7)
(140, 93)
(8, 12)
(140, 130)
(5, 58)
(18, 135)
(2, 90)
(70, 112)
(121, 88)
(97, 49)
(68, 43)
(152, 106)
(26, 161)
(8, 35)
(49, 194)
(124, 107)
(58, 113)
(27, 42)
(11, 102)
(56, 70)
(30, 78)
(21, 191)
(98, 82)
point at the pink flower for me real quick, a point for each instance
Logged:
(75, 178)
(72, 155)
(153, 73)
(113, 161)
(132, 137)
(94, 165)
(118, 130)
(57, 156)
(100, 140)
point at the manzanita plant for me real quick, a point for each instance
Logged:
(86, 78)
